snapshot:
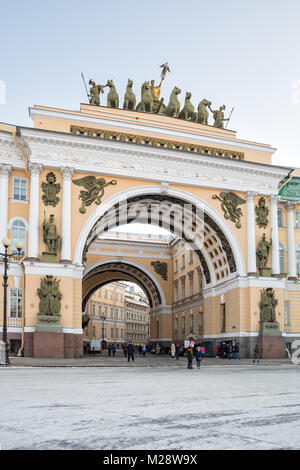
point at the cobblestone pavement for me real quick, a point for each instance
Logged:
(224, 405)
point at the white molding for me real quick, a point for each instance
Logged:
(14, 219)
(54, 269)
(243, 283)
(134, 264)
(288, 334)
(239, 334)
(153, 190)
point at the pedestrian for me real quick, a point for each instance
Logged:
(140, 349)
(173, 350)
(158, 349)
(177, 348)
(198, 356)
(256, 354)
(237, 351)
(130, 351)
(144, 349)
(109, 350)
(218, 351)
(113, 350)
(190, 357)
(124, 349)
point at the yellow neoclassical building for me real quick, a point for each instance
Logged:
(230, 271)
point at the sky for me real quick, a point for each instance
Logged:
(244, 54)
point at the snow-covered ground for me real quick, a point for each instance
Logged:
(217, 407)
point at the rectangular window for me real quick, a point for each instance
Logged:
(287, 319)
(117, 314)
(94, 309)
(182, 261)
(297, 219)
(105, 295)
(191, 323)
(200, 321)
(111, 295)
(112, 333)
(183, 324)
(191, 257)
(223, 326)
(105, 311)
(280, 217)
(122, 334)
(99, 293)
(117, 333)
(20, 189)
(15, 303)
(175, 266)
(99, 310)
(121, 313)
(191, 286)
(182, 289)
(111, 313)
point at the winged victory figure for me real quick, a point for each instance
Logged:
(229, 203)
(95, 190)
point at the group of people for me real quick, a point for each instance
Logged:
(198, 354)
(228, 350)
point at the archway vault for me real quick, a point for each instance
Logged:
(110, 270)
(219, 253)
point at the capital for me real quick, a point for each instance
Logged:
(67, 171)
(35, 168)
(290, 206)
(274, 198)
(250, 195)
(5, 169)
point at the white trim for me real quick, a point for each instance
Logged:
(54, 269)
(73, 331)
(292, 335)
(240, 334)
(15, 219)
(154, 190)
(134, 264)
(243, 283)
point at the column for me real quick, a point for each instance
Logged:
(251, 234)
(4, 174)
(274, 236)
(292, 272)
(33, 242)
(66, 216)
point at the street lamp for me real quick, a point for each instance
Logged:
(102, 318)
(6, 256)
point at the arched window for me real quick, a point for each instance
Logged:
(18, 233)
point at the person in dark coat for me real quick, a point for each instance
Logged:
(198, 356)
(256, 354)
(124, 349)
(113, 349)
(109, 350)
(130, 351)
(190, 357)
(177, 348)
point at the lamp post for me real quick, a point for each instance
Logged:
(102, 318)
(6, 256)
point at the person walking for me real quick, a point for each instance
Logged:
(237, 351)
(144, 349)
(177, 348)
(190, 357)
(124, 346)
(173, 350)
(256, 354)
(140, 349)
(130, 351)
(198, 356)
(109, 350)
(158, 349)
(113, 350)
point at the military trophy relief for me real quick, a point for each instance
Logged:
(161, 268)
(94, 190)
(50, 301)
(262, 212)
(152, 102)
(50, 190)
(51, 239)
(229, 205)
(262, 256)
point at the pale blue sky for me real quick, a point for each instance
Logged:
(244, 54)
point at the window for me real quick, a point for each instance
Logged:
(191, 257)
(105, 311)
(183, 288)
(94, 309)
(121, 298)
(18, 233)
(99, 293)
(99, 310)
(191, 281)
(223, 310)
(200, 321)
(122, 334)
(121, 313)
(94, 332)
(111, 295)
(287, 320)
(297, 219)
(117, 297)
(191, 323)
(176, 324)
(105, 295)
(298, 260)
(20, 189)
(117, 314)
(281, 260)
(176, 266)
(111, 313)
(117, 333)
(112, 333)
(182, 261)
(15, 303)
(183, 324)
(280, 217)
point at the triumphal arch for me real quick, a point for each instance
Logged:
(230, 273)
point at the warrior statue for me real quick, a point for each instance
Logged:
(262, 252)
(50, 237)
(95, 91)
(267, 306)
(50, 296)
(218, 116)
